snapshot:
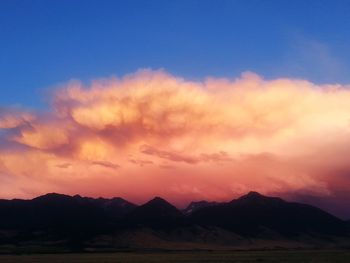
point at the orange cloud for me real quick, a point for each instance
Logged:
(219, 137)
(11, 119)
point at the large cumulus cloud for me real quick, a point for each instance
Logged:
(151, 133)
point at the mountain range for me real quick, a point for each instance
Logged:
(56, 222)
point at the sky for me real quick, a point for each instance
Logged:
(45, 43)
(188, 100)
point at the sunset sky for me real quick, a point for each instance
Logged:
(188, 100)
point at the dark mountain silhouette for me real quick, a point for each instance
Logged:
(194, 206)
(156, 213)
(61, 211)
(76, 222)
(254, 213)
(116, 207)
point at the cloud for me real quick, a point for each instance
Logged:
(316, 59)
(11, 118)
(106, 164)
(152, 133)
(63, 165)
(171, 156)
(140, 162)
(44, 137)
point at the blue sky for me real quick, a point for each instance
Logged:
(45, 43)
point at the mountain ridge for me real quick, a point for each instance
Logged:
(81, 220)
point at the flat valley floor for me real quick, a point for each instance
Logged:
(299, 256)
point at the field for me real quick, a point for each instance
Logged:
(188, 257)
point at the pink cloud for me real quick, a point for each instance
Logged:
(151, 133)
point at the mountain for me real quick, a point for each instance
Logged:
(116, 207)
(253, 214)
(155, 213)
(194, 206)
(74, 223)
(60, 211)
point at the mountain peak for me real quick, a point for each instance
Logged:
(155, 209)
(158, 199)
(52, 196)
(159, 203)
(253, 194)
(254, 197)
